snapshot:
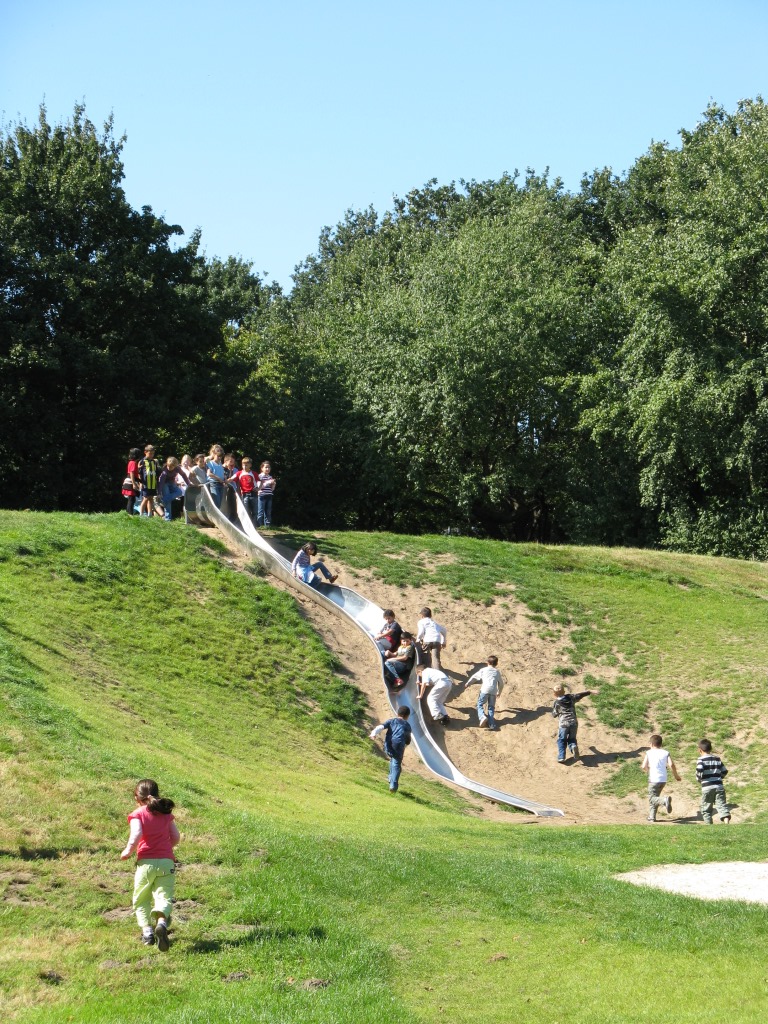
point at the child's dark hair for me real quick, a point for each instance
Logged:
(406, 635)
(147, 793)
(493, 661)
(310, 548)
(705, 746)
(388, 613)
(134, 453)
(404, 712)
(656, 740)
(426, 613)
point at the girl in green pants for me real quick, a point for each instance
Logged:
(153, 834)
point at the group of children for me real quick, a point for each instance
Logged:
(710, 770)
(710, 773)
(147, 484)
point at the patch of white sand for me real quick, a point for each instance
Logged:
(726, 880)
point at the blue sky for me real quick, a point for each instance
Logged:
(262, 122)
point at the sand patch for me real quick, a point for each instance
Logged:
(726, 880)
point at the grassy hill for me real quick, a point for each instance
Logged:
(306, 893)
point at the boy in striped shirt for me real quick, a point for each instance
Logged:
(710, 771)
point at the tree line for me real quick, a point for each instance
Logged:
(502, 357)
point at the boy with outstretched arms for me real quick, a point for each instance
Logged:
(564, 710)
(656, 762)
(398, 736)
(710, 771)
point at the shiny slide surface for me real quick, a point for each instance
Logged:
(366, 615)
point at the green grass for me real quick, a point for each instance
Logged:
(129, 649)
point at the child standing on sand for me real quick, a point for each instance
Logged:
(154, 835)
(397, 739)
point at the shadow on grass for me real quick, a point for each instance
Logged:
(597, 757)
(47, 852)
(258, 935)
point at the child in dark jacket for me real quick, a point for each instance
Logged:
(564, 710)
(398, 736)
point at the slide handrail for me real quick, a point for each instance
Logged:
(364, 614)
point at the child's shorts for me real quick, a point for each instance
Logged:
(148, 492)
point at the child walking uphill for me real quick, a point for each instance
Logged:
(154, 835)
(431, 636)
(564, 710)
(491, 685)
(397, 739)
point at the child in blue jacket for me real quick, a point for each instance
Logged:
(398, 736)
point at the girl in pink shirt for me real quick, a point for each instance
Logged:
(153, 834)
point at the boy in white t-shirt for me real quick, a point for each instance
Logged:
(656, 762)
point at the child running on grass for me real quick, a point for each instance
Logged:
(398, 736)
(154, 834)
(656, 762)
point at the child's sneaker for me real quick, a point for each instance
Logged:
(575, 750)
(332, 579)
(483, 723)
(668, 804)
(161, 935)
(148, 938)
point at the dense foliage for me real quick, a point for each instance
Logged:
(502, 357)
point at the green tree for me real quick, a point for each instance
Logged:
(688, 381)
(105, 337)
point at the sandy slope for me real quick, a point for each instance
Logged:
(521, 757)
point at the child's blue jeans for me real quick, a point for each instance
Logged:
(566, 737)
(264, 513)
(490, 700)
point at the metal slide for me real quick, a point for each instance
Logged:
(366, 615)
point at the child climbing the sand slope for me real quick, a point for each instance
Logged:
(491, 685)
(656, 762)
(154, 835)
(439, 686)
(396, 740)
(431, 636)
(564, 710)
